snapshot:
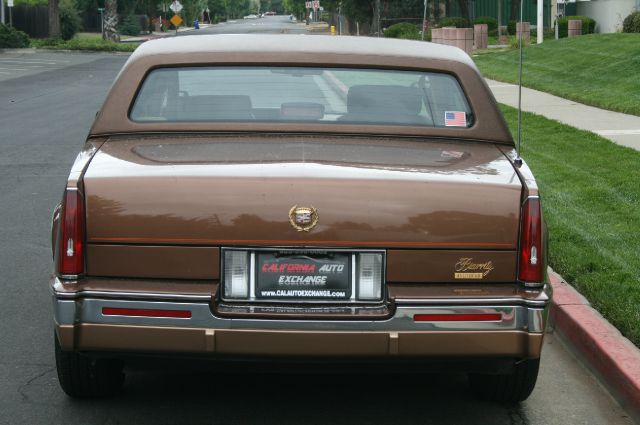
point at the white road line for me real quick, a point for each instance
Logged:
(22, 64)
(36, 59)
(617, 132)
(28, 62)
(15, 69)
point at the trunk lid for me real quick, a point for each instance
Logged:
(239, 190)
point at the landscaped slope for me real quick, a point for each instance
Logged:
(590, 197)
(600, 69)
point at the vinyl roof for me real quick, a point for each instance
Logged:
(301, 43)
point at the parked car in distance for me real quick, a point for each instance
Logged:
(351, 200)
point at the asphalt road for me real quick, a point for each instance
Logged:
(44, 118)
(267, 25)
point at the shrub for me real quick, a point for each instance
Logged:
(46, 42)
(70, 22)
(83, 43)
(511, 28)
(454, 22)
(514, 43)
(403, 30)
(12, 38)
(588, 25)
(492, 23)
(130, 26)
(631, 23)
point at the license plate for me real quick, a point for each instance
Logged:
(296, 276)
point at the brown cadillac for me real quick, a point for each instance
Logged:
(320, 199)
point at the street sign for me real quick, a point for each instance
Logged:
(176, 6)
(176, 20)
(10, 3)
(308, 4)
(316, 4)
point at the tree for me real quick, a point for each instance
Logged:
(110, 31)
(294, 7)
(513, 14)
(54, 18)
(464, 9)
(218, 10)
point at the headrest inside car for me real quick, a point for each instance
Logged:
(391, 99)
(217, 107)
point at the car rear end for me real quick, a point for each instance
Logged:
(304, 245)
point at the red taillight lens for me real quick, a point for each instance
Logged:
(71, 250)
(531, 250)
(472, 317)
(144, 312)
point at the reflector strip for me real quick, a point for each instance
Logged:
(142, 312)
(480, 317)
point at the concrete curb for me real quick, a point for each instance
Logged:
(611, 356)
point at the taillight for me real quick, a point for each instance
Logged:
(71, 249)
(531, 250)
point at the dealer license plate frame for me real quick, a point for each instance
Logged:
(253, 264)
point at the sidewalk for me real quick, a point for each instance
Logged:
(619, 128)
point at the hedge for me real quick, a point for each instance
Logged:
(588, 25)
(403, 30)
(12, 38)
(631, 23)
(454, 22)
(492, 23)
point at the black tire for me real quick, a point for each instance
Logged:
(83, 377)
(512, 387)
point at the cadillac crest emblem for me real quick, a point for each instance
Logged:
(303, 219)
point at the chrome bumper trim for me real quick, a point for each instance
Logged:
(514, 301)
(130, 296)
(89, 310)
(474, 301)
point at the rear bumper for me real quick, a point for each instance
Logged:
(166, 340)
(82, 326)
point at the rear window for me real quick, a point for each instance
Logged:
(299, 94)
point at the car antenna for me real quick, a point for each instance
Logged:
(518, 160)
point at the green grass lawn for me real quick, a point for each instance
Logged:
(591, 201)
(600, 69)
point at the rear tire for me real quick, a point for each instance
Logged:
(83, 377)
(512, 387)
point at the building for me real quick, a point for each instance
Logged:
(503, 10)
(608, 14)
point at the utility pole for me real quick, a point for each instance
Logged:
(2, 12)
(540, 24)
(424, 20)
(499, 19)
(378, 28)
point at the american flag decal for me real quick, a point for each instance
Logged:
(455, 119)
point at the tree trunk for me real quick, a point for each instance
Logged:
(110, 31)
(54, 19)
(375, 22)
(464, 10)
(515, 5)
